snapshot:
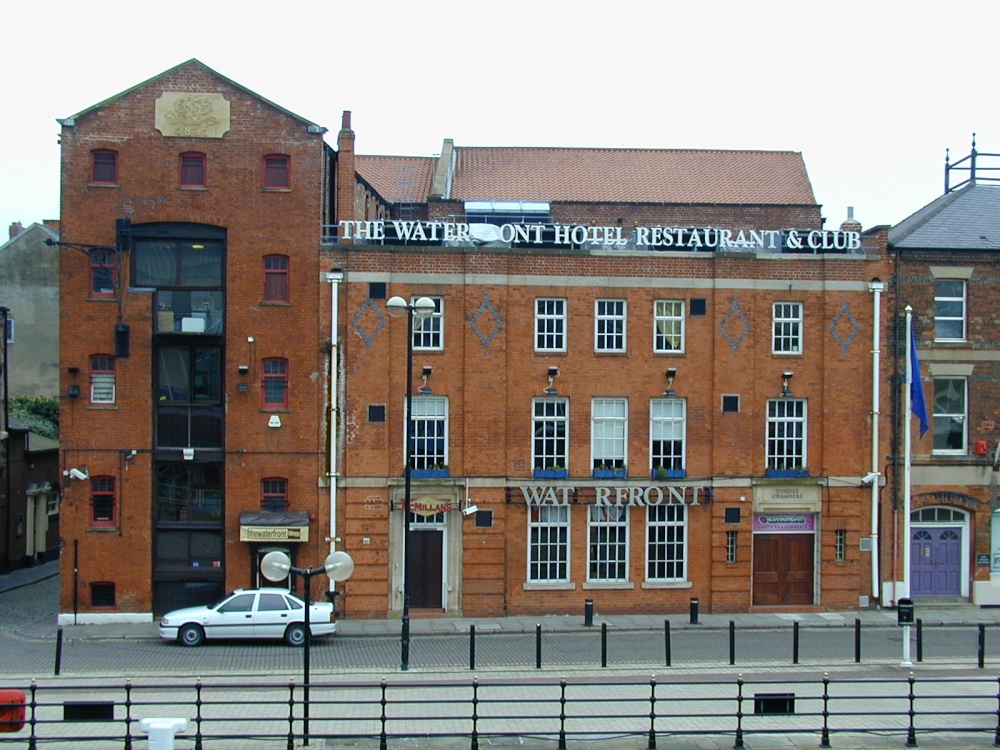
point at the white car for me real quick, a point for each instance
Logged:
(249, 613)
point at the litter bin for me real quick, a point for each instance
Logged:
(905, 612)
(11, 710)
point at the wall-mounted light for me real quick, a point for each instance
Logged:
(786, 377)
(72, 370)
(425, 373)
(671, 374)
(243, 369)
(553, 374)
(74, 391)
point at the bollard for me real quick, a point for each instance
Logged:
(694, 611)
(588, 613)
(162, 732)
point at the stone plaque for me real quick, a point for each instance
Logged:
(189, 115)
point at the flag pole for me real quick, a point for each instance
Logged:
(905, 583)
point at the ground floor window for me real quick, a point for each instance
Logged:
(666, 543)
(608, 548)
(548, 543)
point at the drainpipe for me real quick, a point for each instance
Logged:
(334, 278)
(876, 287)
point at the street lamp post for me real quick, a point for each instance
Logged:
(420, 309)
(276, 566)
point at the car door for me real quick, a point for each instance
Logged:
(273, 615)
(233, 618)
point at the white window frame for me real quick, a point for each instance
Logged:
(102, 384)
(668, 326)
(428, 411)
(545, 521)
(786, 436)
(610, 325)
(666, 518)
(541, 416)
(428, 332)
(946, 418)
(786, 327)
(667, 418)
(607, 543)
(950, 309)
(550, 324)
(609, 433)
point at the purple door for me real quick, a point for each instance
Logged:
(935, 562)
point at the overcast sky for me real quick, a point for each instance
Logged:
(871, 93)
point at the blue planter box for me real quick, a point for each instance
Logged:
(428, 473)
(610, 473)
(671, 474)
(787, 473)
(551, 473)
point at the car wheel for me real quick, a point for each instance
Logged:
(295, 635)
(191, 635)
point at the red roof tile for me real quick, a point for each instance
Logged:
(398, 179)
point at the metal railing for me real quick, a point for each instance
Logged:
(271, 715)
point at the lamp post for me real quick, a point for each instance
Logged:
(276, 566)
(420, 309)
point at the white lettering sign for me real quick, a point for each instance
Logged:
(632, 495)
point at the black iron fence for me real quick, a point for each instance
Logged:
(831, 710)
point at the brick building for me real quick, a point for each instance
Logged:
(648, 376)
(945, 270)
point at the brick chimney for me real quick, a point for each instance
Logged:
(346, 180)
(15, 229)
(850, 224)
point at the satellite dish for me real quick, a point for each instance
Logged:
(339, 565)
(275, 565)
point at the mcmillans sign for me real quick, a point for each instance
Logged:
(664, 238)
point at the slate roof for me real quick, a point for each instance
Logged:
(591, 175)
(967, 219)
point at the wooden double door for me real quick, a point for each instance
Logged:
(783, 569)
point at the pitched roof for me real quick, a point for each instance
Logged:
(591, 175)
(398, 179)
(632, 176)
(966, 219)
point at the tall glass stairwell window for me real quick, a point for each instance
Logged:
(189, 397)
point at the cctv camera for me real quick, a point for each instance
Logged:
(870, 477)
(77, 474)
(470, 510)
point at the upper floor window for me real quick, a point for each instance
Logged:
(786, 434)
(550, 426)
(609, 325)
(607, 558)
(666, 435)
(668, 325)
(428, 333)
(277, 172)
(188, 385)
(276, 278)
(102, 501)
(102, 379)
(950, 415)
(192, 166)
(430, 432)
(609, 433)
(274, 494)
(103, 273)
(550, 325)
(787, 328)
(949, 310)
(104, 167)
(275, 386)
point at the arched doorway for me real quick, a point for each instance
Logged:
(939, 549)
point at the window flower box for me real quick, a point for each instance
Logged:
(787, 473)
(428, 473)
(669, 474)
(550, 473)
(610, 473)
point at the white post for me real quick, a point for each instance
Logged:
(905, 592)
(906, 648)
(162, 732)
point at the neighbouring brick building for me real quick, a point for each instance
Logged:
(945, 269)
(648, 376)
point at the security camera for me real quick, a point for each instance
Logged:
(77, 474)
(469, 510)
(870, 477)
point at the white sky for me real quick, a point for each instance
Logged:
(871, 93)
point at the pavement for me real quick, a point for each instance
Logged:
(929, 613)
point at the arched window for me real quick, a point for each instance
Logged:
(274, 494)
(275, 385)
(192, 169)
(276, 278)
(103, 501)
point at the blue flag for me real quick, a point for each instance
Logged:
(916, 387)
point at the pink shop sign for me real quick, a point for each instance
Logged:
(784, 522)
